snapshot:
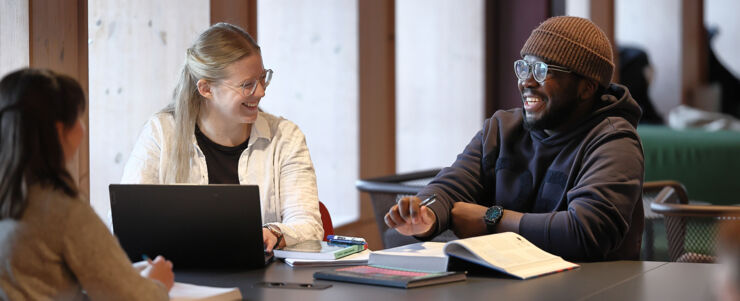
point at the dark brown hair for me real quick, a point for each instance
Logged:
(32, 101)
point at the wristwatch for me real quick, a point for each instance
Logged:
(493, 217)
(275, 231)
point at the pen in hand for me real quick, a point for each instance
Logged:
(428, 201)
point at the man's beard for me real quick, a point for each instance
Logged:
(552, 119)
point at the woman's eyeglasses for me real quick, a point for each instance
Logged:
(249, 87)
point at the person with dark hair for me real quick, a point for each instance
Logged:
(53, 246)
(718, 73)
(565, 171)
(634, 73)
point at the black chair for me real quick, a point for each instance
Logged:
(691, 229)
(654, 245)
(385, 191)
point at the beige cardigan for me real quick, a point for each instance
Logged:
(61, 247)
(276, 159)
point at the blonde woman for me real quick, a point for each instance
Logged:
(214, 133)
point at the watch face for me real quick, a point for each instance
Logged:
(494, 213)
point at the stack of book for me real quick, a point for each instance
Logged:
(339, 250)
(427, 263)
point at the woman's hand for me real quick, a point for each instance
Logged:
(159, 269)
(269, 239)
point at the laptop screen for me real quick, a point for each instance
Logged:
(194, 226)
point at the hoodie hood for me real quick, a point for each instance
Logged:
(615, 102)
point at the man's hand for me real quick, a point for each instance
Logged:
(467, 219)
(408, 218)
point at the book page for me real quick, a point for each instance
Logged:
(504, 250)
(185, 291)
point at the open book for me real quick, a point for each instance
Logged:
(186, 292)
(506, 252)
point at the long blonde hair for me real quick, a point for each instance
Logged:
(216, 48)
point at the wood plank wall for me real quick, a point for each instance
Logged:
(58, 41)
(242, 13)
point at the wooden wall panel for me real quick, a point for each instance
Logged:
(602, 13)
(377, 90)
(694, 61)
(506, 33)
(242, 13)
(57, 40)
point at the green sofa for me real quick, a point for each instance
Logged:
(704, 162)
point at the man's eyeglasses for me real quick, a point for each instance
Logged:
(522, 69)
(249, 87)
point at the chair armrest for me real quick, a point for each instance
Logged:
(695, 210)
(393, 183)
(655, 187)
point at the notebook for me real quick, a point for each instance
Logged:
(354, 259)
(389, 277)
(318, 250)
(194, 226)
(191, 292)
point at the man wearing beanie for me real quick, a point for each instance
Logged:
(565, 171)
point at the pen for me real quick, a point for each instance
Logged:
(430, 200)
(347, 240)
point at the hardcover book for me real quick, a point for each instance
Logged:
(388, 277)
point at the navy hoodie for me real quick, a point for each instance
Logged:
(580, 190)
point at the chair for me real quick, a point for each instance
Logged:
(654, 246)
(384, 191)
(691, 229)
(326, 221)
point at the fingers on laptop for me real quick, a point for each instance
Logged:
(268, 239)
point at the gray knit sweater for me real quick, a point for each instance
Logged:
(59, 248)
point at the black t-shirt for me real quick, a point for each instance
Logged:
(222, 161)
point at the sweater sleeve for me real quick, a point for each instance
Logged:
(300, 217)
(600, 205)
(461, 182)
(100, 265)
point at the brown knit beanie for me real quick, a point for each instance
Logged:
(575, 43)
